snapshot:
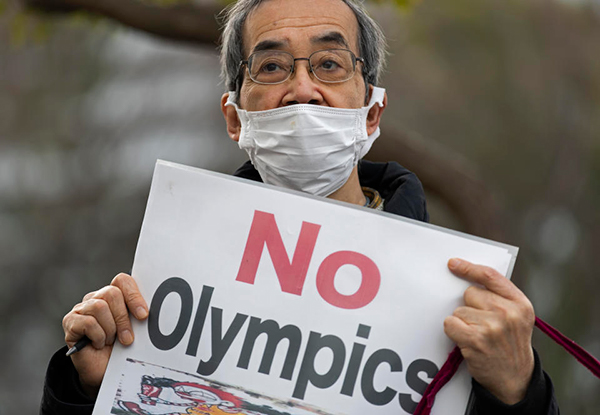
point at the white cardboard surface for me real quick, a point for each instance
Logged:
(196, 228)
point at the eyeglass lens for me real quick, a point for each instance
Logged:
(272, 67)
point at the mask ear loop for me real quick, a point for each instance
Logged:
(455, 358)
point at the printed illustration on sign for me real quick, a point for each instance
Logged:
(148, 389)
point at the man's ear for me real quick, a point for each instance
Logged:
(374, 115)
(231, 118)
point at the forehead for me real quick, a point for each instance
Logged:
(301, 24)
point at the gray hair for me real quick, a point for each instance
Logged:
(371, 41)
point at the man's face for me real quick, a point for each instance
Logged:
(301, 28)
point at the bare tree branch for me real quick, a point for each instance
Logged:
(448, 175)
(183, 22)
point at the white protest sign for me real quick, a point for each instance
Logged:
(271, 302)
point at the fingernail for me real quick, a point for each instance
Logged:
(126, 337)
(454, 262)
(141, 312)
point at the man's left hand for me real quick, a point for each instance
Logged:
(493, 331)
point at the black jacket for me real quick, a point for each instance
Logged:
(399, 187)
(403, 195)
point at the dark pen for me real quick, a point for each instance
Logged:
(81, 343)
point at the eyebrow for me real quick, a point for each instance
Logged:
(331, 37)
(269, 44)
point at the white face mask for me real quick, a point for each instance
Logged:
(306, 147)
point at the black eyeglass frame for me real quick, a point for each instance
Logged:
(354, 60)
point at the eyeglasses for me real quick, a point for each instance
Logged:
(275, 66)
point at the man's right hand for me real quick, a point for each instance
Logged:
(102, 316)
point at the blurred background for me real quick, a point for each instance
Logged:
(495, 104)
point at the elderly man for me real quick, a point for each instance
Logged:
(303, 103)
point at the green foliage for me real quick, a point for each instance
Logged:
(25, 26)
(165, 3)
(22, 24)
(18, 29)
(400, 4)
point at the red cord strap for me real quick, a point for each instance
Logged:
(570, 346)
(455, 358)
(443, 376)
